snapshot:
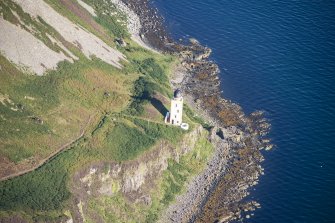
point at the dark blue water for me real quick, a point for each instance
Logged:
(278, 56)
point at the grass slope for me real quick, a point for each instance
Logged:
(39, 114)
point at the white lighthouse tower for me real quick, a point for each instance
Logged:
(176, 112)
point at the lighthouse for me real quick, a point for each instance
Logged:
(176, 112)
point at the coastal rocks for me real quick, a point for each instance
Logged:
(152, 30)
(194, 41)
(120, 42)
(220, 192)
(37, 120)
(134, 25)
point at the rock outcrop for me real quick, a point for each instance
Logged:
(133, 179)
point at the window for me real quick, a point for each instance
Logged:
(175, 116)
(176, 105)
(177, 111)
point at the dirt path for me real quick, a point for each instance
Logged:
(51, 156)
(144, 119)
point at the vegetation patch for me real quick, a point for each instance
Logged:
(195, 118)
(110, 17)
(177, 174)
(160, 131)
(143, 92)
(127, 142)
(151, 68)
(171, 184)
(40, 114)
(41, 190)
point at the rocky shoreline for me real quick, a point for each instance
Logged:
(217, 194)
(151, 30)
(237, 138)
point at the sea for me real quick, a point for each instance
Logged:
(277, 56)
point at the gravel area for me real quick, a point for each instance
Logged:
(133, 23)
(87, 42)
(24, 49)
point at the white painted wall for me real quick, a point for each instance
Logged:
(176, 113)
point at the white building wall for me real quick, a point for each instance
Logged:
(176, 113)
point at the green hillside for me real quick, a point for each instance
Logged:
(90, 112)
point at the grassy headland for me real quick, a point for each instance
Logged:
(40, 114)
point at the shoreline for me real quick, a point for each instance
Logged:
(237, 144)
(134, 24)
(217, 193)
(151, 30)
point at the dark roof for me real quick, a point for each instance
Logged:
(177, 93)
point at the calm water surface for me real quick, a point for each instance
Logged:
(278, 56)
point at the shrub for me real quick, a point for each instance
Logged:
(151, 68)
(41, 190)
(127, 142)
(111, 24)
(157, 131)
(143, 91)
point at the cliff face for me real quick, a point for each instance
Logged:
(136, 181)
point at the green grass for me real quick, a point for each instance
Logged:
(194, 117)
(126, 138)
(172, 183)
(154, 79)
(160, 131)
(150, 67)
(127, 142)
(43, 194)
(71, 92)
(142, 92)
(176, 176)
(46, 188)
(42, 190)
(114, 23)
(64, 99)
(114, 27)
